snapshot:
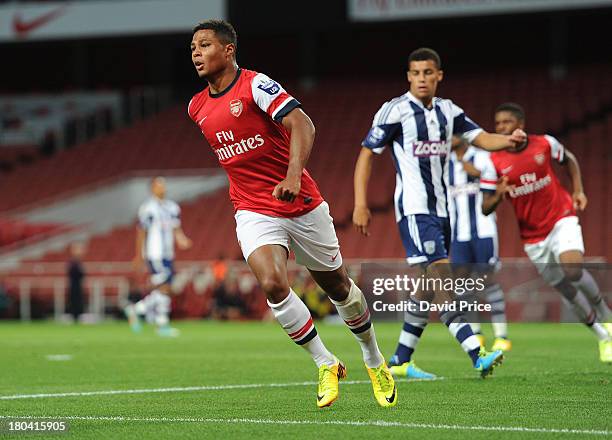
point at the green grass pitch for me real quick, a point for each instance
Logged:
(550, 382)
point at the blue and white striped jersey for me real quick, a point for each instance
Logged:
(467, 220)
(159, 218)
(420, 140)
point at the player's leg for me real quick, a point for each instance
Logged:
(483, 361)
(487, 260)
(265, 245)
(494, 296)
(415, 319)
(568, 249)
(161, 310)
(572, 263)
(429, 240)
(146, 306)
(573, 290)
(269, 265)
(463, 258)
(314, 242)
(159, 303)
(566, 237)
(352, 308)
(401, 363)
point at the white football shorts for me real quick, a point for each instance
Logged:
(311, 236)
(565, 236)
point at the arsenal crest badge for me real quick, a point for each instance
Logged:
(539, 158)
(236, 107)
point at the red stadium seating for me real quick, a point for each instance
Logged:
(342, 111)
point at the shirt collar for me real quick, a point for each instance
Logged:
(418, 102)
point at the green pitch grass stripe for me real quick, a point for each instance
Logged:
(378, 423)
(186, 389)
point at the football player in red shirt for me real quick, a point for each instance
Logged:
(262, 139)
(546, 213)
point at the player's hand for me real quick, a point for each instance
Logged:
(470, 169)
(138, 264)
(518, 138)
(361, 220)
(183, 242)
(502, 187)
(580, 201)
(288, 189)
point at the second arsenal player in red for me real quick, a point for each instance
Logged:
(263, 139)
(546, 213)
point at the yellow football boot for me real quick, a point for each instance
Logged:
(327, 392)
(501, 344)
(383, 385)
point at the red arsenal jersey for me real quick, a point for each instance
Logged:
(538, 198)
(243, 126)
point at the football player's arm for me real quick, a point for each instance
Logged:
(363, 171)
(470, 169)
(573, 168)
(140, 238)
(492, 199)
(302, 132)
(495, 142)
(182, 241)
(472, 133)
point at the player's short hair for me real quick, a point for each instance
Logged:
(517, 111)
(223, 30)
(424, 54)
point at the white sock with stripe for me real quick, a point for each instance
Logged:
(294, 317)
(355, 313)
(462, 332)
(587, 285)
(495, 297)
(582, 308)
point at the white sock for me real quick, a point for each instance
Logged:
(162, 310)
(462, 332)
(355, 313)
(147, 304)
(294, 317)
(587, 285)
(582, 308)
(495, 297)
(476, 328)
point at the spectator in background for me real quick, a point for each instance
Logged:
(5, 300)
(76, 273)
(219, 269)
(314, 297)
(228, 301)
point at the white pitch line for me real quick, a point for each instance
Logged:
(186, 389)
(378, 423)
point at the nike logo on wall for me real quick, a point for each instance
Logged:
(23, 27)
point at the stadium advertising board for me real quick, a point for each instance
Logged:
(387, 10)
(57, 20)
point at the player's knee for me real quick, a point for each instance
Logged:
(336, 285)
(572, 273)
(338, 291)
(275, 288)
